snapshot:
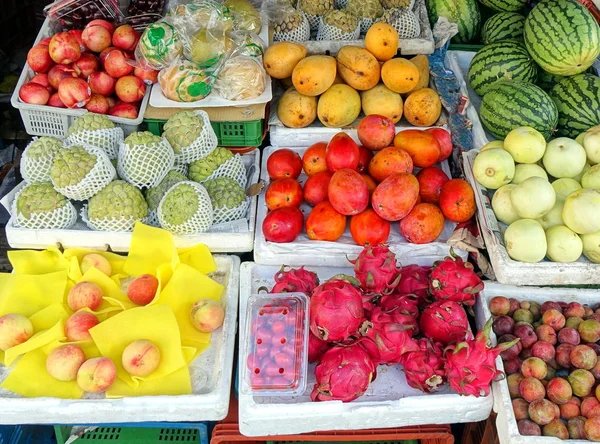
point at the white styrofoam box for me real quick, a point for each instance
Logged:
(506, 424)
(210, 372)
(388, 402)
(43, 120)
(235, 237)
(304, 251)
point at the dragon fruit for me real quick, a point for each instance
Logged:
(445, 322)
(295, 280)
(336, 311)
(407, 304)
(343, 374)
(375, 268)
(316, 348)
(424, 368)
(471, 365)
(414, 279)
(455, 280)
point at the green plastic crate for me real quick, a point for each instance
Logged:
(136, 435)
(248, 133)
(410, 441)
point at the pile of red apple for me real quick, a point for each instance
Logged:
(375, 185)
(91, 68)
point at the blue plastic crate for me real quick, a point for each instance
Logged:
(26, 434)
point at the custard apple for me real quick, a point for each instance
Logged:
(37, 159)
(316, 7)
(292, 27)
(392, 4)
(40, 206)
(144, 159)
(370, 9)
(186, 209)
(228, 199)
(154, 195)
(116, 208)
(182, 129)
(98, 131)
(341, 20)
(90, 122)
(201, 169)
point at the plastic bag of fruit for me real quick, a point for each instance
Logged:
(246, 16)
(289, 24)
(160, 45)
(184, 81)
(65, 15)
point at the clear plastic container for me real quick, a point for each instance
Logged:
(76, 14)
(276, 349)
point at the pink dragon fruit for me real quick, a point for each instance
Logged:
(445, 322)
(343, 374)
(295, 280)
(407, 304)
(316, 348)
(455, 280)
(471, 365)
(414, 279)
(336, 311)
(424, 368)
(375, 268)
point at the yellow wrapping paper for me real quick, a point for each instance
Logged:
(27, 294)
(48, 317)
(36, 341)
(198, 257)
(177, 383)
(38, 262)
(156, 323)
(116, 261)
(149, 249)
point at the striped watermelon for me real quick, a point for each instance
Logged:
(507, 60)
(465, 13)
(504, 5)
(503, 26)
(562, 37)
(578, 101)
(509, 105)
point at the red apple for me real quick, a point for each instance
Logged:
(342, 152)
(444, 139)
(283, 225)
(284, 163)
(376, 132)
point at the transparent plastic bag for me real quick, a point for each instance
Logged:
(246, 17)
(289, 24)
(160, 45)
(185, 82)
(241, 78)
(200, 14)
(247, 44)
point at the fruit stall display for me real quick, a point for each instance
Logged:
(376, 341)
(82, 324)
(550, 387)
(97, 180)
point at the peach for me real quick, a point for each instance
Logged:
(64, 362)
(101, 83)
(130, 89)
(116, 64)
(206, 315)
(84, 295)
(38, 59)
(87, 64)
(98, 104)
(141, 290)
(77, 33)
(74, 92)
(96, 38)
(125, 37)
(78, 325)
(98, 261)
(14, 330)
(141, 358)
(112, 102)
(42, 79)
(125, 110)
(149, 76)
(104, 53)
(34, 93)
(58, 73)
(96, 375)
(55, 101)
(103, 23)
(45, 42)
(64, 48)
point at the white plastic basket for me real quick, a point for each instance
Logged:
(211, 382)
(236, 237)
(506, 424)
(388, 402)
(43, 120)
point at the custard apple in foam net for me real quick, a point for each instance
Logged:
(37, 159)
(144, 159)
(201, 169)
(96, 130)
(186, 209)
(90, 122)
(182, 129)
(228, 199)
(116, 208)
(154, 195)
(40, 206)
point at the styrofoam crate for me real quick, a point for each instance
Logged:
(235, 237)
(42, 120)
(388, 402)
(304, 251)
(506, 424)
(210, 372)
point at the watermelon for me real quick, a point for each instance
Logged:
(578, 101)
(465, 13)
(503, 26)
(562, 37)
(511, 104)
(504, 5)
(507, 60)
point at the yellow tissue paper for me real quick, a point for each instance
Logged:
(198, 257)
(36, 341)
(177, 383)
(150, 248)
(116, 261)
(38, 262)
(48, 317)
(155, 323)
(27, 294)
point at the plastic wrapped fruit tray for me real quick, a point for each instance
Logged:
(388, 402)
(234, 237)
(506, 424)
(210, 372)
(43, 120)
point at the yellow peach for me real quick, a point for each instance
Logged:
(96, 375)
(85, 295)
(97, 261)
(78, 325)
(14, 330)
(206, 315)
(141, 358)
(64, 362)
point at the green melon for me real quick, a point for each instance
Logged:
(577, 99)
(562, 37)
(511, 104)
(503, 26)
(507, 60)
(465, 13)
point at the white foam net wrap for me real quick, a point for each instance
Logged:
(153, 218)
(145, 166)
(365, 24)
(35, 169)
(182, 168)
(313, 21)
(327, 32)
(340, 4)
(108, 140)
(406, 23)
(300, 34)
(110, 223)
(222, 215)
(202, 146)
(60, 219)
(200, 221)
(99, 176)
(234, 168)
